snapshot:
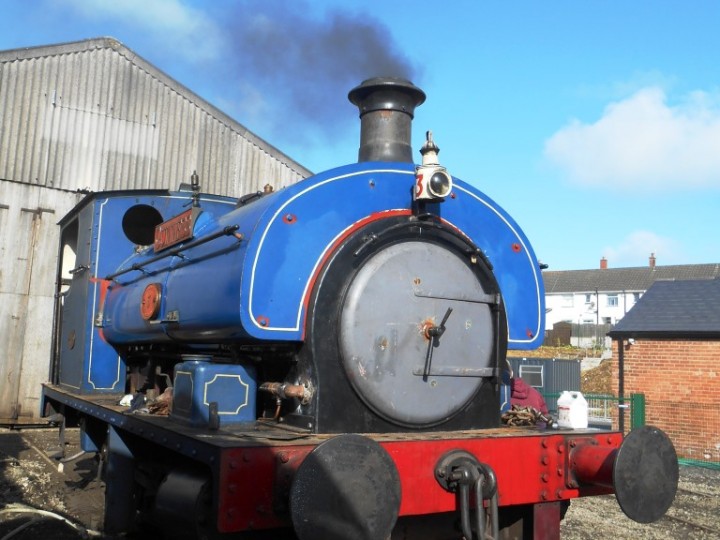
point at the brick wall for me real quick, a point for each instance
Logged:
(681, 382)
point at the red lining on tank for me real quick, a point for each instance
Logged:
(376, 216)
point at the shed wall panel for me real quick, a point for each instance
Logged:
(28, 245)
(12, 328)
(34, 364)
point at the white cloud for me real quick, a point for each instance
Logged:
(635, 250)
(172, 24)
(643, 143)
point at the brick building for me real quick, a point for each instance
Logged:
(668, 348)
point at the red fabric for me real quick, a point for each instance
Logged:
(526, 396)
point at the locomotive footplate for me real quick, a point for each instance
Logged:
(262, 477)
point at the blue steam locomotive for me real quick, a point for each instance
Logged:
(322, 361)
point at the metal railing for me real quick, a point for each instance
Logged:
(608, 411)
(694, 435)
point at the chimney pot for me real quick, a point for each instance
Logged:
(652, 260)
(603, 264)
(387, 106)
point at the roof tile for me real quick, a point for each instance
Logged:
(635, 279)
(690, 307)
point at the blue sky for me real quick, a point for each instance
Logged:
(596, 124)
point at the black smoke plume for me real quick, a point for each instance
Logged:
(304, 65)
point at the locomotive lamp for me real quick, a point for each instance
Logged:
(432, 182)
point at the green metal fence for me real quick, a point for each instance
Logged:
(694, 430)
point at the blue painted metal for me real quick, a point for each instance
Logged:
(87, 362)
(86, 442)
(120, 473)
(199, 383)
(257, 288)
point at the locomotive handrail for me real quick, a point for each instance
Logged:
(227, 231)
(457, 371)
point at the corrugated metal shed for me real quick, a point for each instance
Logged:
(548, 375)
(93, 115)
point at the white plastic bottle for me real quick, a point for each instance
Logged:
(572, 410)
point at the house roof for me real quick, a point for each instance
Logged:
(688, 308)
(624, 279)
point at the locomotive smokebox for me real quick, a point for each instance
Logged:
(387, 106)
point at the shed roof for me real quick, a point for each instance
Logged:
(624, 279)
(112, 43)
(688, 308)
(94, 115)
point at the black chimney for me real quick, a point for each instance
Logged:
(387, 106)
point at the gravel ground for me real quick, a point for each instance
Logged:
(695, 513)
(29, 480)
